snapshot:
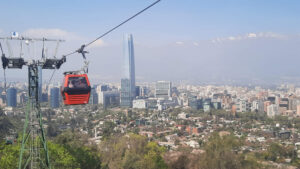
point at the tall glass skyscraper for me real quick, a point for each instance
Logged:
(12, 97)
(54, 97)
(128, 79)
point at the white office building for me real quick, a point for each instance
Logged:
(241, 106)
(139, 104)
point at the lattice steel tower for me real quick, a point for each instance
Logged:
(34, 150)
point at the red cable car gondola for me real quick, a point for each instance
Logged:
(76, 89)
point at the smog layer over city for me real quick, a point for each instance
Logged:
(153, 84)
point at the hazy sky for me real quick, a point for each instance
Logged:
(175, 40)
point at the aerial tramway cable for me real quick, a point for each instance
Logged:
(81, 49)
(34, 151)
(72, 91)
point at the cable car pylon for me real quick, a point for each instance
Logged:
(34, 148)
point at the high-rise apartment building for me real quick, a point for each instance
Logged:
(100, 90)
(94, 96)
(273, 110)
(137, 91)
(257, 106)
(22, 98)
(44, 97)
(242, 106)
(110, 98)
(128, 90)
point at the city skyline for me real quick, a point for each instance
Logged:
(202, 41)
(156, 84)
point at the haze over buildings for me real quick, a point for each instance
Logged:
(230, 41)
(196, 75)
